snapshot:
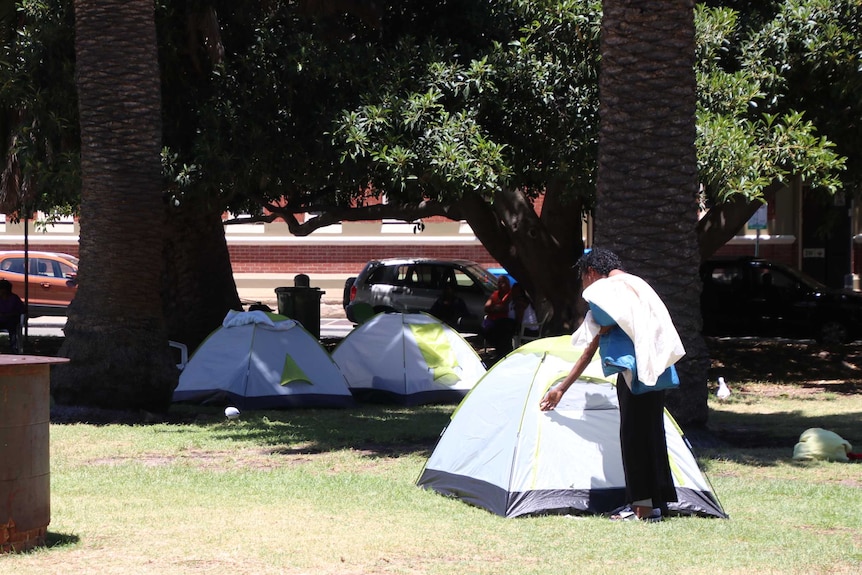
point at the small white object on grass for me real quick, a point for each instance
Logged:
(231, 412)
(723, 391)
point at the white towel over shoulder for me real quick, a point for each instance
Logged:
(641, 314)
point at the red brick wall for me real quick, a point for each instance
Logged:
(347, 259)
(65, 248)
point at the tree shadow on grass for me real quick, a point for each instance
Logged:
(784, 361)
(378, 430)
(779, 430)
(764, 440)
(389, 431)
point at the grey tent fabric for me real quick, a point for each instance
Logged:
(259, 360)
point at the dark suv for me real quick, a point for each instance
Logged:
(755, 297)
(413, 284)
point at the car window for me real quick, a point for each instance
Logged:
(463, 280)
(377, 276)
(725, 278)
(403, 275)
(425, 276)
(66, 270)
(801, 281)
(41, 267)
(482, 276)
(783, 281)
(59, 269)
(13, 265)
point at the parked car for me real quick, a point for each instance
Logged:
(755, 297)
(413, 284)
(52, 279)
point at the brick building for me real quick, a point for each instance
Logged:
(265, 256)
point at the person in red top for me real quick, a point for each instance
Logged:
(11, 308)
(498, 328)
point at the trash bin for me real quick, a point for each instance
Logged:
(302, 304)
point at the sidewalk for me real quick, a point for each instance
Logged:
(249, 292)
(261, 288)
(329, 308)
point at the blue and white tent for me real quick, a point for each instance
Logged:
(502, 453)
(259, 360)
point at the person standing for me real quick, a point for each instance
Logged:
(11, 308)
(631, 326)
(497, 327)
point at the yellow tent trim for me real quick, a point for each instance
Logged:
(292, 373)
(437, 352)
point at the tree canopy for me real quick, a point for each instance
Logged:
(464, 109)
(311, 106)
(38, 108)
(426, 114)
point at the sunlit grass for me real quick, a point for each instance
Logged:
(333, 492)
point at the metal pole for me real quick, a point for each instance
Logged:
(26, 326)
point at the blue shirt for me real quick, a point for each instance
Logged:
(617, 352)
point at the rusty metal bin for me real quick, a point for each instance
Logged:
(25, 480)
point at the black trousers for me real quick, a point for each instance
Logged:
(644, 447)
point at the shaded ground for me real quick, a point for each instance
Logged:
(808, 366)
(769, 367)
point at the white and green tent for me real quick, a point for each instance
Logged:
(260, 360)
(410, 359)
(502, 453)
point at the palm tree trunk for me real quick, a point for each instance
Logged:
(647, 174)
(115, 333)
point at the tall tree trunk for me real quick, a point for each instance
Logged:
(199, 287)
(115, 333)
(647, 174)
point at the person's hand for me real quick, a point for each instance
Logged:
(551, 399)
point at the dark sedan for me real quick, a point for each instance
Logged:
(755, 297)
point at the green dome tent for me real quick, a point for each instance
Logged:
(502, 453)
(409, 359)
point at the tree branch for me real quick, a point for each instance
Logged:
(723, 221)
(335, 215)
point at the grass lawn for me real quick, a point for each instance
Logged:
(333, 491)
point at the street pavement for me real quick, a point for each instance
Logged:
(335, 327)
(45, 326)
(333, 324)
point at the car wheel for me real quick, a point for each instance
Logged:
(832, 332)
(345, 299)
